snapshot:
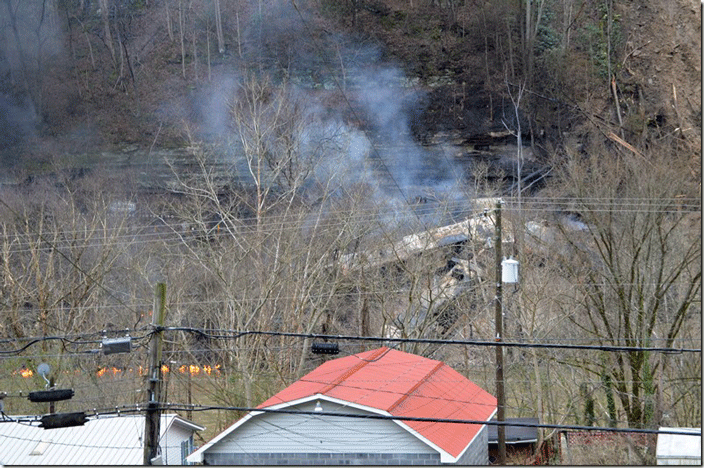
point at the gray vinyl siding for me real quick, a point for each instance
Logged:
(272, 433)
(322, 459)
(289, 439)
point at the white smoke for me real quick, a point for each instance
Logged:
(366, 132)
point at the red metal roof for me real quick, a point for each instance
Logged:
(401, 384)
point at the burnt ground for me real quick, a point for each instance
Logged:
(460, 68)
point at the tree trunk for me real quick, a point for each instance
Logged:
(107, 30)
(182, 34)
(169, 26)
(218, 27)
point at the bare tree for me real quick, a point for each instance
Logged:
(68, 253)
(636, 257)
(262, 248)
(31, 29)
(60, 249)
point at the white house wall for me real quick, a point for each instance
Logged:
(272, 438)
(679, 449)
(277, 432)
(170, 443)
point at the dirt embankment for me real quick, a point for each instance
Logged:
(458, 54)
(662, 67)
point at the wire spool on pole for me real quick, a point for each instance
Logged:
(51, 395)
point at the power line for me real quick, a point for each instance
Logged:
(235, 334)
(127, 409)
(182, 407)
(31, 420)
(105, 411)
(76, 340)
(270, 224)
(311, 296)
(603, 205)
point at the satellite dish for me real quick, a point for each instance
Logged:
(43, 369)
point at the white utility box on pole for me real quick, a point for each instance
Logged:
(509, 271)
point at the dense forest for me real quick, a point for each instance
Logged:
(331, 167)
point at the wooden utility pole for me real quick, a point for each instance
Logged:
(153, 416)
(52, 404)
(498, 319)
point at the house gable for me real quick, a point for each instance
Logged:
(382, 381)
(401, 384)
(308, 433)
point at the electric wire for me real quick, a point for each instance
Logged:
(528, 204)
(229, 334)
(112, 382)
(196, 408)
(235, 334)
(168, 240)
(109, 410)
(131, 409)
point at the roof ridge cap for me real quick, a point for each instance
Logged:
(353, 369)
(416, 386)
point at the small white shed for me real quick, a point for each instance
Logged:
(107, 440)
(680, 449)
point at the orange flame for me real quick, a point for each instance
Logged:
(105, 370)
(196, 370)
(192, 369)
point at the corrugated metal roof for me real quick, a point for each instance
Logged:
(108, 440)
(401, 384)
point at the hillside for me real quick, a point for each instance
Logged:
(353, 171)
(139, 75)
